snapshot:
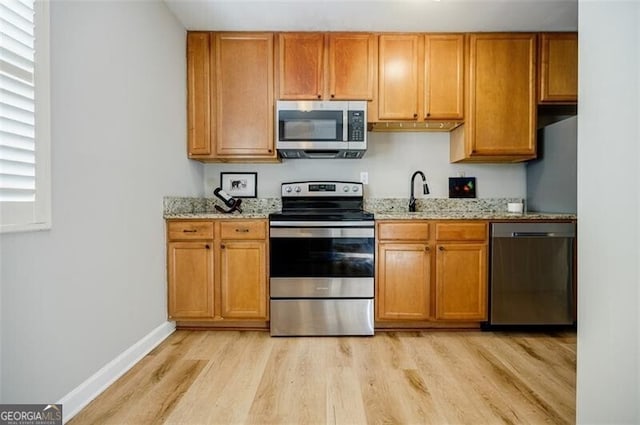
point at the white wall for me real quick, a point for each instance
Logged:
(390, 160)
(75, 297)
(608, 390)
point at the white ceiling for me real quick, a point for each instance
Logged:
(377, 15)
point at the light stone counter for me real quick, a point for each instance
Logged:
(383, 209)
(465, 215)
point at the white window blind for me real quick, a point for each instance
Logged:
(24, 123)
(17, 113)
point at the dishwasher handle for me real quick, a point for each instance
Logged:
(533, 234)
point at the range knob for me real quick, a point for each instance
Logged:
(287, 189)
(298, 189)
(345, 188)
(355, 188)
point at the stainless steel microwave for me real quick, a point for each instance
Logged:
(321, 129)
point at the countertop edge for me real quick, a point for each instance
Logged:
(450, 215)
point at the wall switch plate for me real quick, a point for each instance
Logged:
(364, 177)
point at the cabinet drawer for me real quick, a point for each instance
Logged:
(185, 230)
(243, 230)
(403, 231)
(461, 231)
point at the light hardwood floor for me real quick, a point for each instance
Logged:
(229, 377)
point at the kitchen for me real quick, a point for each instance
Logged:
(123, 186)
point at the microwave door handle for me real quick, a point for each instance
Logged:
(345, 124)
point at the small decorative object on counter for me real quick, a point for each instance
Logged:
(230, 201)
(462, 187)
(515, 207)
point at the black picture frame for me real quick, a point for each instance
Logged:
(462, 187)
(240, 184)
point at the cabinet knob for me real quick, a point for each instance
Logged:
(426, 248)
(270, 150)
(319, 96)
(441, 248)
(222, 246)
(207, 246)
(332, 96)
(415, 115)
(428, 114)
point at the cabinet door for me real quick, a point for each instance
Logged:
(558, 80)
(243, 280)
(461, 282)
(398, 76)
(403, 281)
(301, 66)
(501, 116)
(352, 65)
(244, 95)
(190, 267)
(443, 76)
(198, 93)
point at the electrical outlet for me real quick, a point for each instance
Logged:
(364, 177)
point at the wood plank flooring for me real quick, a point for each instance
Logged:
(233, 377)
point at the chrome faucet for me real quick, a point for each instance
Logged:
(425, 189)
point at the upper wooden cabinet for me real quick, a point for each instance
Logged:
(500, 100)
(339, 66)
(420, 77)
(199, 94)
(225, 71)
(558, 76)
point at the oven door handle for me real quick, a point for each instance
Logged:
(321, 232)
(335, 224)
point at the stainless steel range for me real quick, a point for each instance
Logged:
(322, 261)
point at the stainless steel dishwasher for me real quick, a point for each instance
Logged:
(532, 276)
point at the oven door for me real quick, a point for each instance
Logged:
(322, 252)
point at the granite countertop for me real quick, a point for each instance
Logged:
(382, 208)
(468, 215)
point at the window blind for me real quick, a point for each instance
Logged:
(17, 102)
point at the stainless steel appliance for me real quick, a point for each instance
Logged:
(321, 129)
(322, 250)
(532, 274)
(552, 178)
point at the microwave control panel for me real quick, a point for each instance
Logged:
(356, 126)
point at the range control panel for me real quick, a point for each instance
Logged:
(322, 188)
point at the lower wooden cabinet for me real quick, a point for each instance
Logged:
(431, 271)
(243, 289)
(190, 279)
(217, 271)
(461, 281)
(404, 281)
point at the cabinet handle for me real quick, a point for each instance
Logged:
(242, 230)
(441, 248)
(189, 231)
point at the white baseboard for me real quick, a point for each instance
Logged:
(84, 393)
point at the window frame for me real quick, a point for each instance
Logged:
(33, 216)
